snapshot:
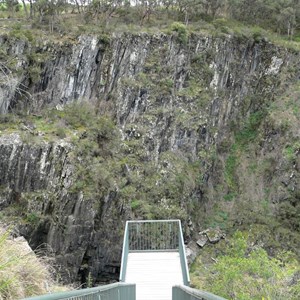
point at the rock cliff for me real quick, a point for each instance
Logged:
(180, 110)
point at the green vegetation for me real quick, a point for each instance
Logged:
(258, 192)
(180, 17)
(103, 163)
(243, 270)
(53, 124)
(182, 32)
(159, 193)
(291, 151)
(22, 273)
(158, 184)
(244, 138)
(230, 167)
(249, 132)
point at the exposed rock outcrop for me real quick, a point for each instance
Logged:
(166, 95)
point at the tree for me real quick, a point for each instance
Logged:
(287, 21)
(147, 8)
(49, 10)
(189, 8)
(104, 9)
(211, 7)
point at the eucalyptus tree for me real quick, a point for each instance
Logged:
(147, 8)
(212, 7)
(80, 5)
(188, 8)
(287, 16)
(48, 11)
(104, 9)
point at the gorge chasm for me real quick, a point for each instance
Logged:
(97, 129)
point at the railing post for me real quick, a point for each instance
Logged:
(183, 261)
(124, 254)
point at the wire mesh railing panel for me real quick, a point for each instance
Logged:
(93, 296)
(109, 294)
(153, 235)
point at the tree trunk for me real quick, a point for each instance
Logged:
(186, 17)
(31, 9)
(78, 6)
(25, 8)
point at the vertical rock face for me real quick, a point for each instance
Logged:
(28, 168)
(73, 76)
(138, 75)
(36, 182)
(167, 95)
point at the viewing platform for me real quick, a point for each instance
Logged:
(154, 258)
(153, 267)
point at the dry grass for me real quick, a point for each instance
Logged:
(22, 273)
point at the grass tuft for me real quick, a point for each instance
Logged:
(22, 273)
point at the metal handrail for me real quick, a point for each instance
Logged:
(156, 236)
(180, 292)
(124, 291)
(153, 235)
(127, 291)
(153, 221)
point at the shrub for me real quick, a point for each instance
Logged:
(245, 271)
(182, 32)
(250, 128)
(135, 204)
(257, 34)
(230, 168)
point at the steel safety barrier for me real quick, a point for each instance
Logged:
(114, 291)
(154, 235)
(141, 236)
(186, 293)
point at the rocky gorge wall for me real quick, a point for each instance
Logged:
(175, 102)
(211, 77)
